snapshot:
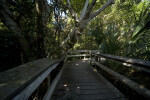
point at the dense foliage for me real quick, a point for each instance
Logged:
(33, 29)
(123, 29)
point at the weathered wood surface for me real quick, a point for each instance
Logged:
(82, 51)
(81, 55)
(139, 62)
(80, 82)
(133, 85)
(15, 80)
(78, 51)
(140, 68)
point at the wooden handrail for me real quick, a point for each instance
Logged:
(138, 62)
(82, 51)
(20, 82)
(81, 55)
(50, 90)
(138, 88)
(135, 63)
(78, 51)
(141, 65)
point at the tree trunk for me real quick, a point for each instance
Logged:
(9, 22)
(41, 9)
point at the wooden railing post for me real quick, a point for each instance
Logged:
(138, 64)
(96, 59)
(98, 56)
(90, 52)
(49, 80)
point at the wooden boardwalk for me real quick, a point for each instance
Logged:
(80, 82)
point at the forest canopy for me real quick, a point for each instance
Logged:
(34, 29)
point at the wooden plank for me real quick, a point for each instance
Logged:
(85, 86)
(138, 88)
(139, 62)
(101, 96)
(94, 91)
(15, 80)
(81, 55)
(78, 51)
(82, 51)
(84, 81)
(82, 84)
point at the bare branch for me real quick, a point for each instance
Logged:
(84, 10)
(101, 9)
(89, 9)
(73, 14)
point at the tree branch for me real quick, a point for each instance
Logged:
(72, 11)
(101, 9)
(84, 10)
(89, 9)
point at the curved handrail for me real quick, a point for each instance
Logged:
(133, 85)
(138, 62)
(20, 82)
